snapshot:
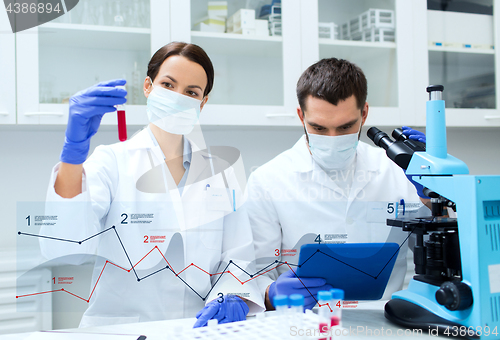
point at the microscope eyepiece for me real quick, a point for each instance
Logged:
(379, 138)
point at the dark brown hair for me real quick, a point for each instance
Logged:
(191, 52)
(332, 80)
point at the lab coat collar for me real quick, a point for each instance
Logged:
(199, 158)
(302, 160)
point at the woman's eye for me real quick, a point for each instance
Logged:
(192, 94)
(168, 85)
(318, 128)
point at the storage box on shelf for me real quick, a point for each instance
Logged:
(377, 18)
(374, 25)
(272, 13)
(379, 35)
(215, 21)
(328, 30)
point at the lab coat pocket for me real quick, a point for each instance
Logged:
(211, 218)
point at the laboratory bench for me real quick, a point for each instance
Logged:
(362, 321)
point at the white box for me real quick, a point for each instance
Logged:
(202, 27)
(244, 18)
(328, 30)
(275, 28)
(344, 31)
(379, 35)
(211, 24)
(378, 18)
(460, 28)
(217, 9)
(261, 27)
(355, 26)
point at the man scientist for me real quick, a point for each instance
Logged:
(329, 186)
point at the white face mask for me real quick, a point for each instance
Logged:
(171, 111)
(334, 152)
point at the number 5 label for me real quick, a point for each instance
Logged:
(379, 212)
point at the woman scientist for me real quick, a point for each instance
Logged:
(167, 224)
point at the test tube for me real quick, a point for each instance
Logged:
(122, 123)
(337, 299)
(296, 303)
(325, 302)
(281, 304)
(297, 311)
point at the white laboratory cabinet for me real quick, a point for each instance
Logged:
(255, 75)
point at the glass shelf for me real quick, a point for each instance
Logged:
(74, 56)
(248, 68)
(465, 60)
(377, 59)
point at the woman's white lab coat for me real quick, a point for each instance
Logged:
(292, 200)
(124, 187)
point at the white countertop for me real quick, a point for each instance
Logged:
(365, 320)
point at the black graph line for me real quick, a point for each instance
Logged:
(131, 265)
(153, 273)
(102, 232)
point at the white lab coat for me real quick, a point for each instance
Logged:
(194, 227)
(292, 201)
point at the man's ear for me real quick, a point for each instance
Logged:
(300, 113)
(364, 113)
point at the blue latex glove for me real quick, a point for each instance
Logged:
(231, 309)
(418, 136)
(414, 134)
(86, 109)
(288, 283)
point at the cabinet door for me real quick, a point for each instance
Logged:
(368, 34)
(94, 42)
(8, 71)
(255, 69)
(461, 39)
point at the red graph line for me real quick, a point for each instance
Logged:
(319, 304)
(51, 291)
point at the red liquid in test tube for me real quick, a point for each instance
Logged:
(122, 125)
(323, 329)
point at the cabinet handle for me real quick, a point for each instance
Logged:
(275, 115)
(491, 117)
(44, 114)
(4, 113)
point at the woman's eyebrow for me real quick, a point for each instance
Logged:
(172, 79)
(194, 87)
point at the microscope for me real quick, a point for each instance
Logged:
(456, 288)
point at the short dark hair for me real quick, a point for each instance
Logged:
(190, 51)
(332, 80)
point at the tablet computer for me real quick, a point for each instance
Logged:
(362, 270)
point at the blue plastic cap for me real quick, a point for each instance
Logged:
(337, 294)
(324, 295)
(280, 300)
(296, 300)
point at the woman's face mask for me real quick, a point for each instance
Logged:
(171, 111)
(334, 152)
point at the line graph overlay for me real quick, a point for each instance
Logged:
(260, 272)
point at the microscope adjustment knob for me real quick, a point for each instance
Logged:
(454, 295)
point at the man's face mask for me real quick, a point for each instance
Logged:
(333, 152)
